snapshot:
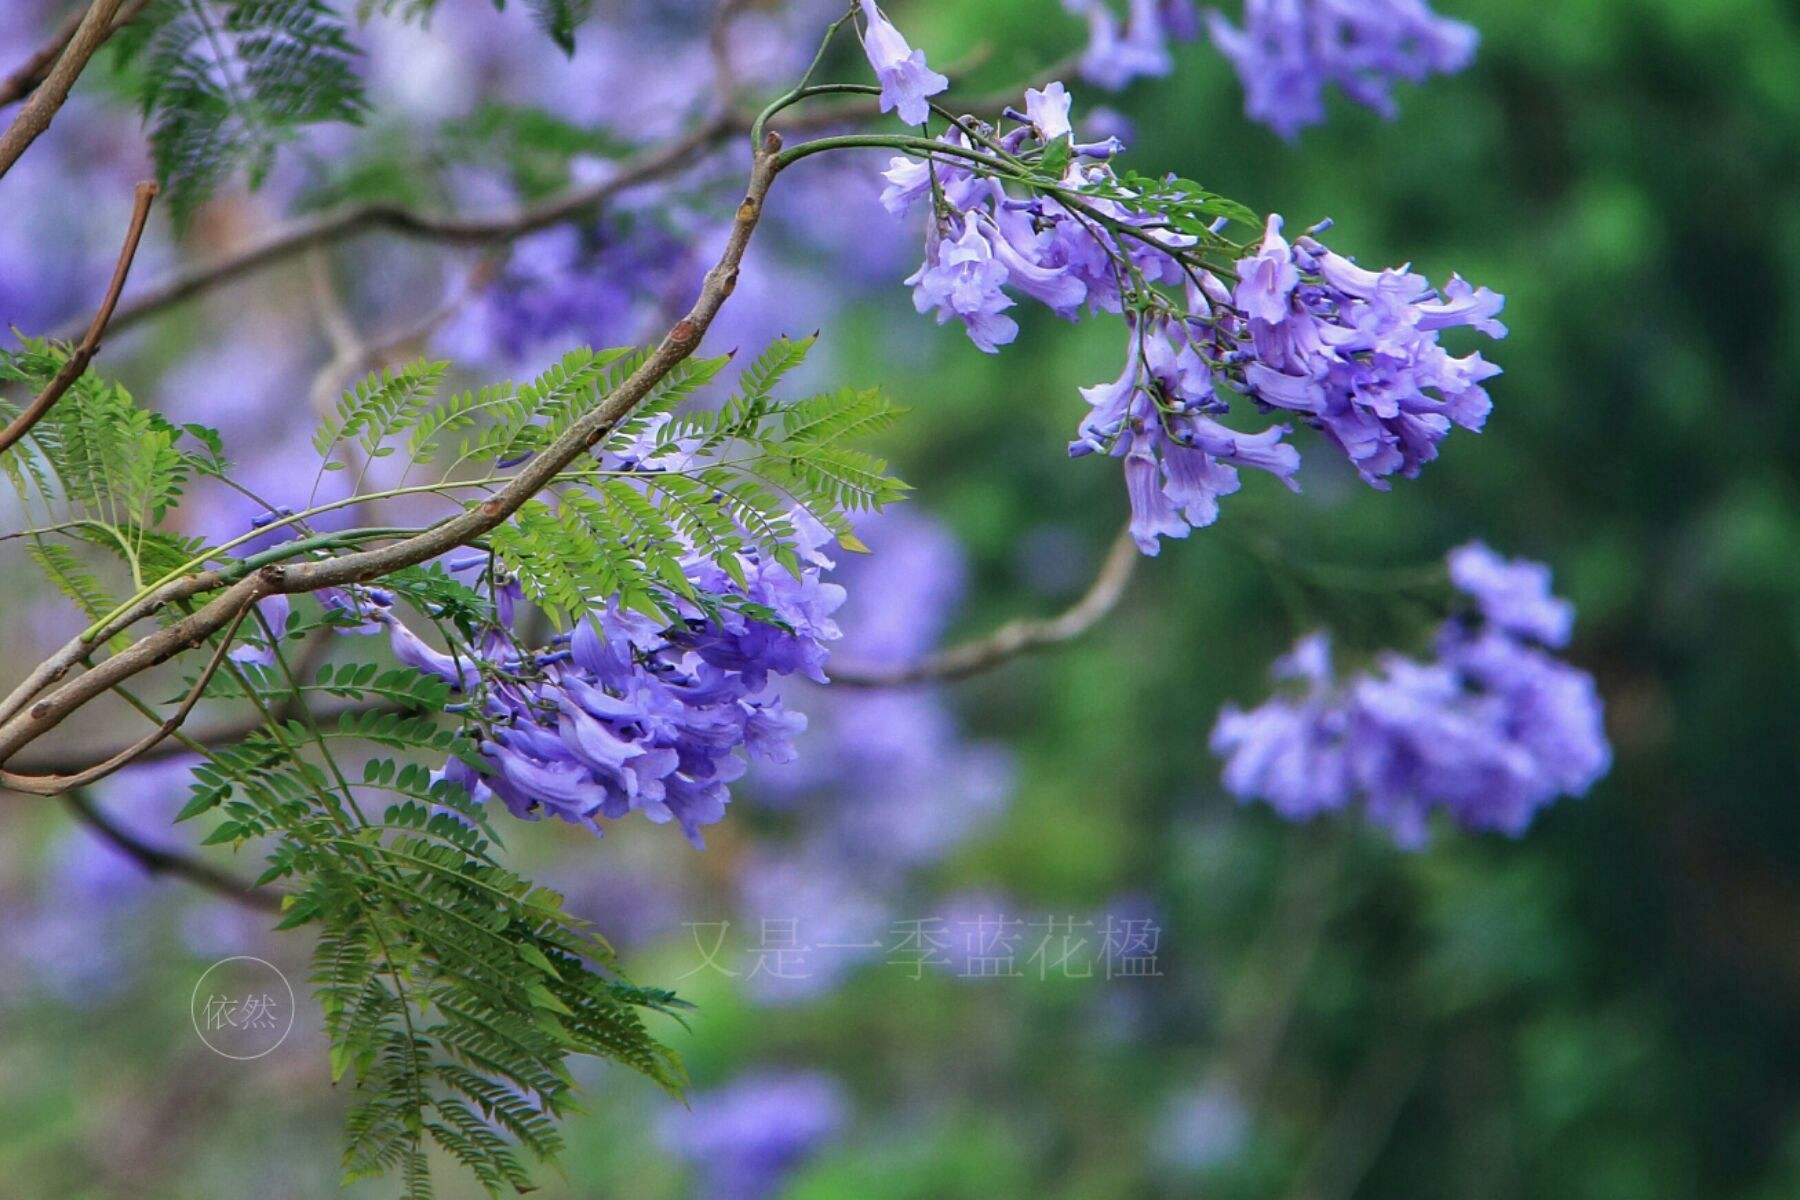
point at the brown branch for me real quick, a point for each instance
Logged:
(26, 724)
(95, 27)
(1010, 640)
(337, 224)
(90, 342)
(20, 726)
(30, 73)
(218, 733)
(57, 784)
(351, 355)
(159, 861)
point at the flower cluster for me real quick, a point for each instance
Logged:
(1355, 353)
(1491, 730)
(981, 240)
(1118, 53)
(1289, 51)
(633, 715)
(1300, 330)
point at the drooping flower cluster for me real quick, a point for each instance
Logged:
(1289, 51)
(1490, 730)
(981, 240)
(634, 715)
(1178, 459)
(1301, 331)
(1355, 352)
(1118, 53)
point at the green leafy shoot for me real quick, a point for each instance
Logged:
(224, 83)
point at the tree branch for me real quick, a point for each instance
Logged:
(159, 861)
(1010, 640)
(57, 784)
(90, 342)
(30, 73)
(337, 224)
(219, 733)
(95, 27)
(24, 725)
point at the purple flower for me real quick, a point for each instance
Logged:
(1116, 54)
(1490, 730)
(1289, 51)
(1178, 460)
(820, 920)
(1356, 352)
(1048, 111)
(1350, 352)
(961, 279)
(460, 672)
(1267, 281)
(1513, 595)
(602, 284)
(906, 81)
(748, 1137)
(639, 715)
(258, 649)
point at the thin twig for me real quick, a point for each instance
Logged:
(352, 356)
(338, 224)
(30, 73)
(90, 342)
(95, 27)
(57, 784)
(218, 733)
(159, 861)
(1010, 640)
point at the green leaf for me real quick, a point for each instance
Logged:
(224, 83)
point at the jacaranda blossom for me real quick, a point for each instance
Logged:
(906, 82)
(1490, 730)
(1117, 54)
(1289, 51)
(636, 715)
(1293, 330)
(962, 279)
(1355, 353)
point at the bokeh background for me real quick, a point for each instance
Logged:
(1606, 1009)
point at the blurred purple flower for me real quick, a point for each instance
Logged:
(1289, 51)
(1115, 54)
(748, 1137)
(813, 920)
(1490, 730)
